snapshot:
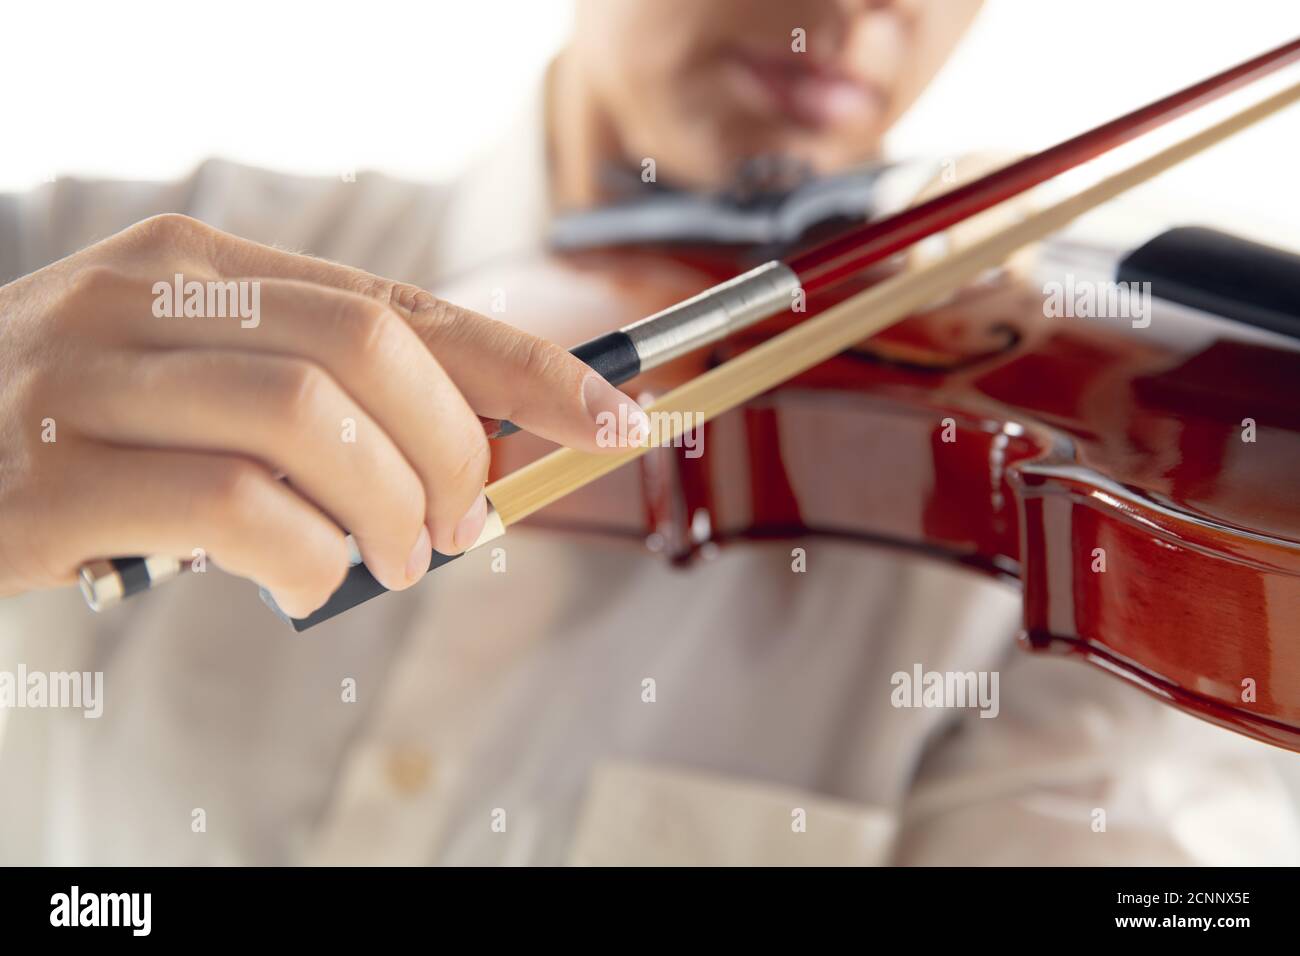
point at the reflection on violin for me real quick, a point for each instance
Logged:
(1039, 454)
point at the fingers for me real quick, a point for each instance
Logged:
(502, 371)
(381, 363)
(334, 389)
(284, 412)
(143, 501)
(506, 373)
(376, 340)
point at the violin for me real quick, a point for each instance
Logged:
(1135, 480)
(1106, 471)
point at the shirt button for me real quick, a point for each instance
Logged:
(409, 770)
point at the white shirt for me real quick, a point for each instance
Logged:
(500, 717)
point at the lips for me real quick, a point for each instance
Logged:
(812, 94)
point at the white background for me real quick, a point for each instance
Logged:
(148, 89)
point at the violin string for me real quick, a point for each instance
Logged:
(850, 252)
(527, 490)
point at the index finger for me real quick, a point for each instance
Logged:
(503, 372)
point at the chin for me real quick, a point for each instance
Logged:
(709, 157)
(822, 156)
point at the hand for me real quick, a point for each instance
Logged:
(308, 398)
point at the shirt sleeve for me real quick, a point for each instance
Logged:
(58, 218)
(368, 220)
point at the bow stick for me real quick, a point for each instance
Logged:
(533, 487)
(760, 294)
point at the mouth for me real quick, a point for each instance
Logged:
(812, 94)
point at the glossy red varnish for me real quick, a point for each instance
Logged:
(983, 433)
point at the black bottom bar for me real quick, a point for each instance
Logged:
(982, 909)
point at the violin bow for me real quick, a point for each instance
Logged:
(814, 340)
(770, 289)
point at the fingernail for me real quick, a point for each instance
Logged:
(421, 556)
(620, 422)
(471, 526)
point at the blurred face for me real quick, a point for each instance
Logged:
(703, 85)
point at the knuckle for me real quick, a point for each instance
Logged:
(296, 390)
(234, 488)
(84, 297)
(438, 321)
(373, 287)
(93, 282)
(164, 229)
(411, 299)
(371, 331)
(539, 358)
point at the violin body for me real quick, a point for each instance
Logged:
(1139, 485)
